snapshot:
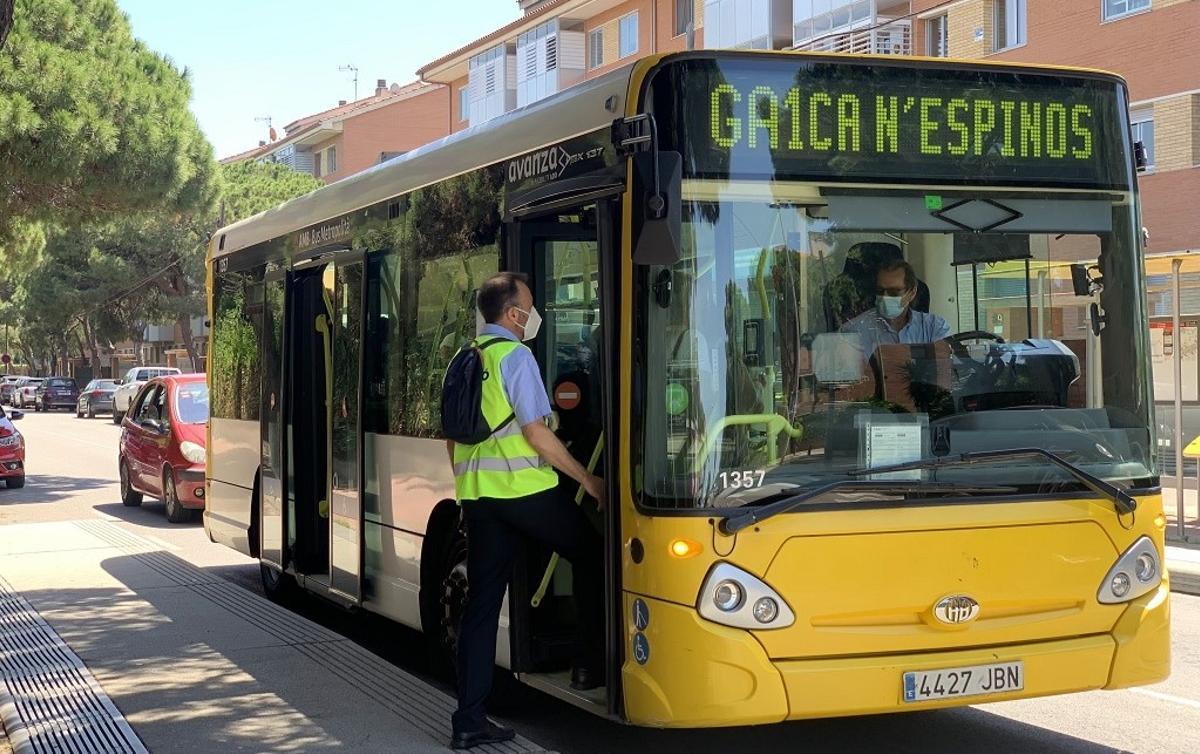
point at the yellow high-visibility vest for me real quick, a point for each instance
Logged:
(505, 465)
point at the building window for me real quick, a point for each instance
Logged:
(937, 37)
(464, 103)
(317, 164)
(685, 15)
(1143, 131)
(331, 160)
(596, 48)
(628, 36)
(1117, 8)
(1008, 23)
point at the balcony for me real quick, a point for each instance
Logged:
(885, 38)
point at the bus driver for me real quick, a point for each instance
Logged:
(893, 320)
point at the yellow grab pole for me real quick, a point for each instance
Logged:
(553, 564)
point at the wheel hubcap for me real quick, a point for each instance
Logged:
(454, 597)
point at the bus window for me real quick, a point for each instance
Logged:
(767, 350)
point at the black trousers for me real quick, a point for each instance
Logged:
(495, 529)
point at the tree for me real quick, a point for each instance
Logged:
(6, 17)
(92, 123)
(248, 188)
(168, 251)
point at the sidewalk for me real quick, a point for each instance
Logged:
(1183, 555)
(108, 638)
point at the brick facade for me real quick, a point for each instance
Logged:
(1176, 120)
(399, 127)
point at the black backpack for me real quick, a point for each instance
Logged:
(462, 396)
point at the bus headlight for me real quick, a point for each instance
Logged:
(733, 597)
(765, 610)
(1132, 575)
(727, 596)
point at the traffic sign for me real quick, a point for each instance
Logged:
(6, 359)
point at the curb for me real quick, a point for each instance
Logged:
(1184, 580)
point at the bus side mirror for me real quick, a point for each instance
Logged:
(657, 217)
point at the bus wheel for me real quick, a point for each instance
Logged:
(277, 585)
(453, 601)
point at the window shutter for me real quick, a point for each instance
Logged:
(551, 53)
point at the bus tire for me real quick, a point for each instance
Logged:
(443, 585)
(277, 585)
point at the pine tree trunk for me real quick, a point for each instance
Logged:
(93, 348)
(6, 19)
(185, 332)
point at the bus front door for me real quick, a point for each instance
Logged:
(561, 253)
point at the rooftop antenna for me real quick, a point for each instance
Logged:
(350, 67)
(270, 130)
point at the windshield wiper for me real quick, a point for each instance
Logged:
(736, 522)
(1121, 500)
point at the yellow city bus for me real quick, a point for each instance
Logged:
(812, 511)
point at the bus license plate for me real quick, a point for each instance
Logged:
(976, 680)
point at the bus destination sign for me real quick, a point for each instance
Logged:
(847, 121)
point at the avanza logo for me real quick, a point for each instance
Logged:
(543, 163)
(547, 164)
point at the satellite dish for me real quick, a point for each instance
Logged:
(272, 131)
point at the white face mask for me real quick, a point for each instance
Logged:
(532, 324)
(890, 307)
(479, 322)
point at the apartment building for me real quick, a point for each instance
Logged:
(555, 44)
(353, 136)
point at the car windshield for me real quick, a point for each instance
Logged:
(809, 330)
(103, 385)
(60, 383)
(191, 403)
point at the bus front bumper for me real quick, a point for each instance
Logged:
(699, 674)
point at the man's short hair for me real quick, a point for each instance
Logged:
(910, 275)
(499, 292)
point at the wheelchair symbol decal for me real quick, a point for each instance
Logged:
(641, 648)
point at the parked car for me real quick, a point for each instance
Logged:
(97, 396)
(7, 385)
(131, 383)
(161, 454)
(12, 450)
(26, 390)
(56, 392)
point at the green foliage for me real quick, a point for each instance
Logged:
(248, 188)
(92, 123)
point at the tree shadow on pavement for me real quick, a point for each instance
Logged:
(195, 667)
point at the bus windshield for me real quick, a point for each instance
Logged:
(814, 327)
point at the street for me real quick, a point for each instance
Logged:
(72, 476)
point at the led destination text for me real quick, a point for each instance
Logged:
(851, 123)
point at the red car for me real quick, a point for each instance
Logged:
(12, 450)
(162, 445)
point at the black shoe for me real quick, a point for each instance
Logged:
(492, 734)
(584, 678)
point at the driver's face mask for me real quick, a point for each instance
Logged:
(890, 307)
